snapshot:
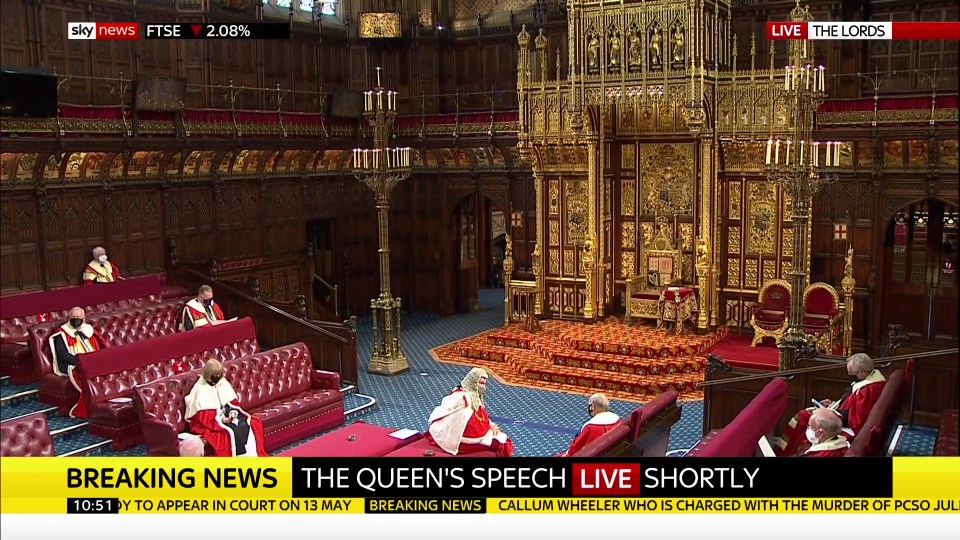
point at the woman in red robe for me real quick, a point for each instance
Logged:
(214, 413)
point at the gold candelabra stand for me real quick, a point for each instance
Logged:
(801, 167)
(381, 168)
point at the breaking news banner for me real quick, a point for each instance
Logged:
(132, 30)
(863, 30)
(465, 485)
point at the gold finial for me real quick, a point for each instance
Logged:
(523, 38)
(541, 41)
(753, 53)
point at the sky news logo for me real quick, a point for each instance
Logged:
(107, 30)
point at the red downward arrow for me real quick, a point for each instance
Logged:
(196, 29)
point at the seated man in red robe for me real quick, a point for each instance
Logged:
(823, 434)
(100, 269)
(201, 311)
(72, 340)
(601, 421)
(461, 425)
(214, 413)
(853, 407)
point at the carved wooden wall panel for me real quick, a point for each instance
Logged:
(136, 230)
(19, 243)
(15, 48)
(81, 229)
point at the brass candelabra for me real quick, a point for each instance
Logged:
(801, 167)
(381, 168)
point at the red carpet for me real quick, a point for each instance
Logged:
(737, 352)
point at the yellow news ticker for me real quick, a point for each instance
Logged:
(40, 486)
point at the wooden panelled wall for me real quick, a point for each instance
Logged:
(46, 233)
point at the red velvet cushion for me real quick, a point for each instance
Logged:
(820, 301)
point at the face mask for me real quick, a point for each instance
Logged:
(589, 410)
(812, 436)
(215, 379)
(208, 302)
(76, 323)
(102, 258)
(853, 378)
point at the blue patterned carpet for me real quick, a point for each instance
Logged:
(540, 422)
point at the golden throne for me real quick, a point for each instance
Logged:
(771, 314)
(662, 267)
(823, 317)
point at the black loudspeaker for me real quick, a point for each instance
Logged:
(28, 92)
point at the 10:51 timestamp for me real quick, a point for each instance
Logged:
(93, 505)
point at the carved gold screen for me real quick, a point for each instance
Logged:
(756, 231)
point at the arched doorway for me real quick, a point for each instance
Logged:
(477, 241)
(920, 272)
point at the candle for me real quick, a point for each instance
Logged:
(806, 78)
(380, 99)
(801, 151)
(816, 153)
(836, 153)
(829, 154)
(789, 143)
(776, 153)
(786, 78)
(769, 148)
(823, 86)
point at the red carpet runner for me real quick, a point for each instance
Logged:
(633, 363)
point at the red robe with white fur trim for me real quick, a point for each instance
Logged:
(196, 314)
(458, 429)
(835, 447)
(854, 409)
(204, 412)
(97, 272)
(596, 427)
(66, 345)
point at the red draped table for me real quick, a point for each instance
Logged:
(677, 305)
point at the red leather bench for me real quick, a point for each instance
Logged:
(873, 435)
(111, 375)
(356, 440)
(117, 328)
(26, 436)
(19, 312)
(280, 386)
(645, 433)
(739, 437)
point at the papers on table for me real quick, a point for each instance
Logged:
(121, 400)
(765, 448)
(404, 433)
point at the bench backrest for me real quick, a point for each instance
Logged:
(739, 438)
(650, 425)
(114, 372)
(119, 327)
(19, 312)
(26, 436)
(258, 379)
(876, 429)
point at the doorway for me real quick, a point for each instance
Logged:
(321, 234)
(919, 273)
(477, 237)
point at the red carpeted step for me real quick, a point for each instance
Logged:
(640, 341)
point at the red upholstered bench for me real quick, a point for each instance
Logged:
(946, 444)
(21, 311)
(26, 436)
(873, 435)
(645, 433)
(280, 386)
(356, 440)
(112, 374)
(117, 328)
(739, 438)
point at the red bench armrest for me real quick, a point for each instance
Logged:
(325, 379)
(161, 437)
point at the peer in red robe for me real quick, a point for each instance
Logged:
(823, 435)
(214, 413)
(100, 269)
(201, 311)
(72, 340)
(853, 407)
(461, 425)
(601, 421)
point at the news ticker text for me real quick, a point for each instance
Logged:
(863, 30)
(464, 485)
(133, 31)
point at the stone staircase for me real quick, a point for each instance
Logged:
(634, 363)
